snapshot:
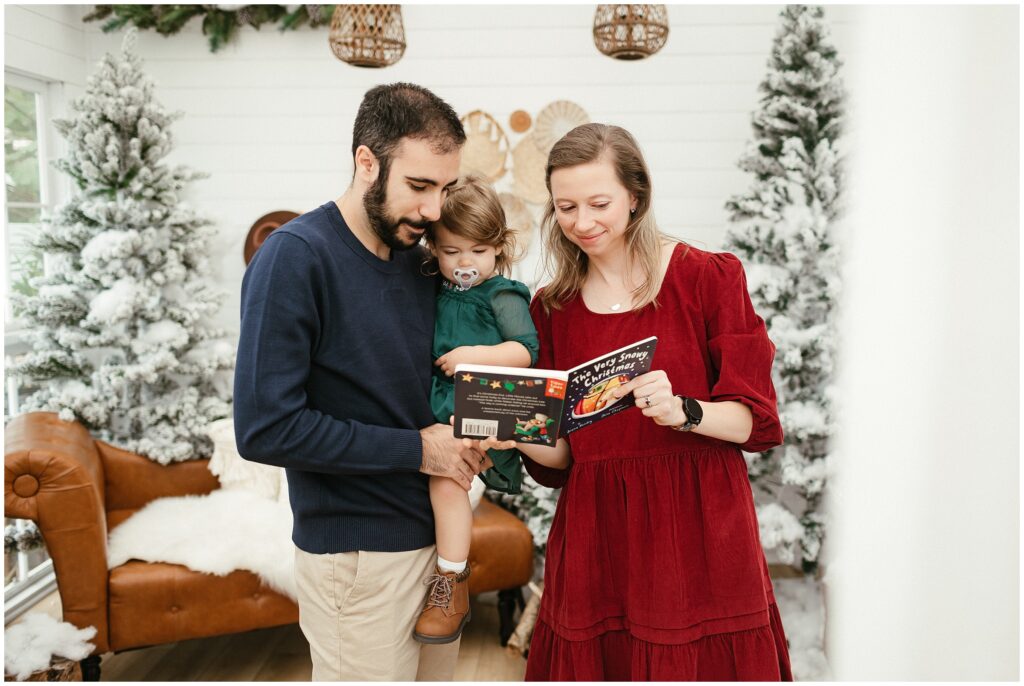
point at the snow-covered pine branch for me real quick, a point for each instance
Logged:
(784, 230)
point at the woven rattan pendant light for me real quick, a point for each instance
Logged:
(630, 32)
(367, 35)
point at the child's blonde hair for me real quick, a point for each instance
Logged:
(473, 211)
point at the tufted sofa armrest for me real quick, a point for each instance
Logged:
(53, 475)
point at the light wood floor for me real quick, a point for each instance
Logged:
(282, 654)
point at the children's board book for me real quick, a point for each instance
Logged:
(540, 405)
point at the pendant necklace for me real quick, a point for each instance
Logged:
(615, 307)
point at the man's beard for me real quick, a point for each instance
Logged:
(375, 203)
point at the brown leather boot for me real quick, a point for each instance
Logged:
(447, 608)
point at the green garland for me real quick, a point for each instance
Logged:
(220, 25)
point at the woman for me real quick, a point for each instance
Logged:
(654, 567)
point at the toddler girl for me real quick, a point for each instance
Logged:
(482, 318)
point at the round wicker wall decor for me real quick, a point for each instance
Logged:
(556, 120)
(486, 148)
(528, 169)
(520, 121)
(519, 220)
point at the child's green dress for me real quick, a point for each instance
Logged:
(493, 312)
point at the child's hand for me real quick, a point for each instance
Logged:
(493, 443)
(481, 447)
(464, 354)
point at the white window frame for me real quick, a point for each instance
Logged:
(50, 185)
(31, 584)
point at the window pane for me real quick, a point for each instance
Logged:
(22, 215)
(23, 262)
(21, 148)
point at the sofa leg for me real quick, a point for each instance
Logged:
(91, 668)
(507, 600)
(520, 601)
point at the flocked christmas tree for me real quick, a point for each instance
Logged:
(535, 506)
(785, 232)
(120, 323)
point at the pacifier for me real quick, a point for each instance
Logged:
(466, 278)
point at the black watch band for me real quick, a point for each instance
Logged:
(694, 414)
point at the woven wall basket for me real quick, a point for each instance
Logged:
(528, 170)
(556, 120)
(630, 32)
(486, 148)
(519, 219)
(367, 35)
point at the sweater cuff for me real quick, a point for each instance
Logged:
(405, 451)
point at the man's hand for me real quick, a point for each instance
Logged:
(464, 354)
(456, 458)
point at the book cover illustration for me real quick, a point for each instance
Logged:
(540, 405)
(589, 395)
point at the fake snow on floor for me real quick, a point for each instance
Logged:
(802, 607)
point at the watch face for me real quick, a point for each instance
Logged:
(694, 412)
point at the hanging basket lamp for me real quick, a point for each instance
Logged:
(367, 35)
(630, 32)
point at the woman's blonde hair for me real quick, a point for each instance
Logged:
(473, 211)
(563, 259)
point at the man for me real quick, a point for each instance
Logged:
(333, 381)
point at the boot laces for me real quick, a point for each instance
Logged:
(440, 590)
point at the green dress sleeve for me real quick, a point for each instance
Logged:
(511, 309)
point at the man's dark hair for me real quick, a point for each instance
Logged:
(394, 111)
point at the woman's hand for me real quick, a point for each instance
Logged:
(727, 420)
(652, 393)
(464, 354)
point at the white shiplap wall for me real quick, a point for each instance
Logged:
(270, 116)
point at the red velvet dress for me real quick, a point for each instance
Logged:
(654, 566)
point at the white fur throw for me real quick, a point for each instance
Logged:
(216, 533)
(246, 524)
(32, 643)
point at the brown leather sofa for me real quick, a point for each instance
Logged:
(77, 489)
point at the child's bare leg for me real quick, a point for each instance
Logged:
(453, 523)
(446, 610)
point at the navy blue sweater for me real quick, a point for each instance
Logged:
(332, 382)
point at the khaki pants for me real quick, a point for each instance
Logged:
(358, 610)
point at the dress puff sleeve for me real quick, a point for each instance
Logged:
(511, 307)
(545, 476)
(741, 351)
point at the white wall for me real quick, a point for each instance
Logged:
(924, 576)
(47, 41)
(270, 116)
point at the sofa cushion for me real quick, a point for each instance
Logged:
(132, 481)
(153, 603)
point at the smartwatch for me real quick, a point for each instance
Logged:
(694, 413)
